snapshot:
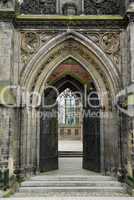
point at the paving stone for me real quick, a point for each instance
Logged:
(71, 181)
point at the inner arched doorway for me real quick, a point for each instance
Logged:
(70, 75)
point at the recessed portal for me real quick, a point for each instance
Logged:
(70, 126)
(70, 121)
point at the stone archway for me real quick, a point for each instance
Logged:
(57, 48)
(106, 78)
(90, 124)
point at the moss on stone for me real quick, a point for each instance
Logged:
(131, 99)
(69, 18)
(8, 95)
(130, 181)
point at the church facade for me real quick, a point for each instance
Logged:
(38, 37)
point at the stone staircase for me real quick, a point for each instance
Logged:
(70, 154)
(67, 186)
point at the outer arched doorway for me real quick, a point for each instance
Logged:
(99, 66)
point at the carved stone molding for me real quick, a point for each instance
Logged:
(109, 42)
(91, 7)
(38, 7)
(31, 42)
(68, 48)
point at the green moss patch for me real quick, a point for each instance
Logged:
(69, 18)
(6, 96)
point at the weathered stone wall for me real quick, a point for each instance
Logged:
(8, 138)
(4, 135)
(6, 51)
(8, 121)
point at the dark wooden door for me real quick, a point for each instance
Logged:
(49, 133)
(91, 139)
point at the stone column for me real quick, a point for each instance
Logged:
(23, 142)
(35, 138)
(102, 119)
(29, 145)
(111, 127)
(82, 6)
(130, 159)
(6, 65)
(124, 46)
(58, 7)
(130, 13)
(17, 139)
(32, 150)
(38, 140)
(130, 164)
(30, 136)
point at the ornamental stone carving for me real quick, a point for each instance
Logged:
(70, 7)
(110, 42)
(102, 7)
(89, 7)
(31, 42)
(38, 7)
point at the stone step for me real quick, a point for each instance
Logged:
(72, 195)
(45, 185)
(72, 178)
(43, 190)
(71, 183)
(69, 154)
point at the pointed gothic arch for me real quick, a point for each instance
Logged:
(54, 52)
(102, 70)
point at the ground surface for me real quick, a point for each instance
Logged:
(71, 166)
(68, 167)
(70, 145)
